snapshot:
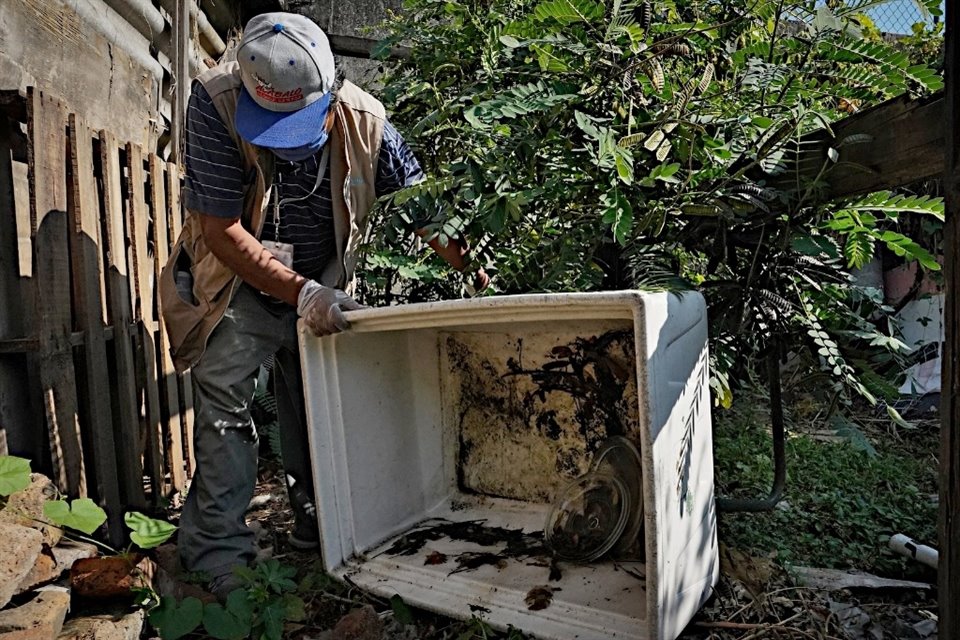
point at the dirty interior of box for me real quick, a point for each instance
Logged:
(447, 447)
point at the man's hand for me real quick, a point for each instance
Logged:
(322, 308)
(477, 283)
(481, 280)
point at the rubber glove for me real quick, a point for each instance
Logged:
(322, 308)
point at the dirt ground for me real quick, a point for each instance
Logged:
(755, 598)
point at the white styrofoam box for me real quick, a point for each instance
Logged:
(478, 411)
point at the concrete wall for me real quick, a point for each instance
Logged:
(63, 47)
(358, 18)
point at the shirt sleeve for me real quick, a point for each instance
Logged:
(397, 167)
(214, 168)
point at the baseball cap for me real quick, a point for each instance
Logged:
(288, 73)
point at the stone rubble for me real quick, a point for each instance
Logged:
(35, 559)
(21, 548)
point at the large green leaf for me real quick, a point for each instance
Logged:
(859, 248)
(14, 474)
(400, 610)
(518, 101)
(175, 620)
(618, 213)
(82, 514)
(231, 622)
(271, 618)
(908, 248)
(146, 532)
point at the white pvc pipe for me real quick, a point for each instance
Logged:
(144, 17)
(208, 33)
(205, 29)
(920, 552)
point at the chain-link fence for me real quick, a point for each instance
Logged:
(899, 16)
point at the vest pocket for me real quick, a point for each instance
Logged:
(211, 278)
(182, 313)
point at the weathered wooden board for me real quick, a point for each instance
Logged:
(119, 308)
(141, 272)
(892, 144)
(47, 126)
(18, 420)
(21, 205)
(169, 386)
(87, 278)
(949, 522)
(175, 223)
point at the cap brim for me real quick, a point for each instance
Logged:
(279, 130)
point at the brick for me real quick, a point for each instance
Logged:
(18, 553)
(104, 627)
(26, 507)
(106, 577)
(39, 619)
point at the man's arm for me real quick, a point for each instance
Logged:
(236, 247)
(397, 168)
(213, 191)
(457, 254)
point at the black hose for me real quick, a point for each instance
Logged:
(779, 448)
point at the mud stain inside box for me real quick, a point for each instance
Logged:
(531, 410)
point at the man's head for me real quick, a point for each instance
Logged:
(288, 75)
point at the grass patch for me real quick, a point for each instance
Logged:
(841, 503)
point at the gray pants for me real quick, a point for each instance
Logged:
(214, 536)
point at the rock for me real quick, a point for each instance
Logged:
(359, 624)
(39, 619)
(835, 579)
(104, 627)
(26, 507)
(69, 551)
(21, 546)
(44, 569)
(52, 563)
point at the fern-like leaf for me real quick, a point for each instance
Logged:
(569, 11)
(518, 101)
(633, 139)
(858, 249)
(897, 203)
(621, 18)
(706, 78)
(654, 71)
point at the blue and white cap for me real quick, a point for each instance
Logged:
(288, 74)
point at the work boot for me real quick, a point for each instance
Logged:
(222, 586)
(306, 534)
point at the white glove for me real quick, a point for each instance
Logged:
(322, 308)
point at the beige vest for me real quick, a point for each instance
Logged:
(354, 148)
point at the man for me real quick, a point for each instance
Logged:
(283, 163)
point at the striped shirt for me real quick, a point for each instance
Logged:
(215, 183)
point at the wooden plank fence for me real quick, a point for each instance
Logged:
(102, 217)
